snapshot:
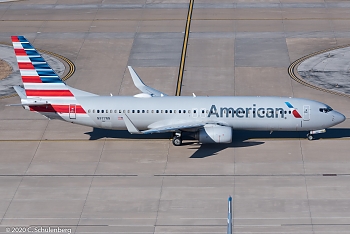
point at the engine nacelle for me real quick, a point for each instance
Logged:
(214, 134)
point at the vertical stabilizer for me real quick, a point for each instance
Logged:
(39, 79)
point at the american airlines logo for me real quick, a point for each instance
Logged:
(252, 112)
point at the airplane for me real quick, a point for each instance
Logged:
(209, 119)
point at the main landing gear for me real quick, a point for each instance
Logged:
(177, 139)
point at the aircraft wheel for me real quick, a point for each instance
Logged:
(177, 141)
(310, 137)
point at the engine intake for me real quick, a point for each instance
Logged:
(212, 133)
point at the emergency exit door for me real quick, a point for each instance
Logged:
(72, 111)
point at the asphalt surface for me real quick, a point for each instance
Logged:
(54, 173)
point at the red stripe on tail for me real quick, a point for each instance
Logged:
(20, 52)
(49, 93)
(31, 79)
(14, 39)
(26, 66)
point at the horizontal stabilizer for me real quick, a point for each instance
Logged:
(141, 86)
(20, 91)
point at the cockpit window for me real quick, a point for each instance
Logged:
(326, 109)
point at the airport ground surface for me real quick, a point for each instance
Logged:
(95, 181)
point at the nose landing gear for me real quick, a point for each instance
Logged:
(310, 135)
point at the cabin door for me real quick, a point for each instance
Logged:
(306, 113)
(72, 111)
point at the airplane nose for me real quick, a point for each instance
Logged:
(339, 118)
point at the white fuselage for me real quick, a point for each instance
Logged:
(249, 113)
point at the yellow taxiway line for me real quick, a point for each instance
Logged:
(184, 49)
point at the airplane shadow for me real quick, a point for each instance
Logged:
(207, 150)
(332, 133)
(239, 138)
(98, 133)
(238, 135)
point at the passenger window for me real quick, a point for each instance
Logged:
(285, 112)
(170, 111)
(184, 111)
(115, 111)
(123, 111)
(166, 111)
(110, 111)
(179, 111)
(128, 111)
(203, 111)
(143, 111)
(189, 112)
(98, 111)
(133, 111)
(174, 111)
(147, 111)
(195, 111)
(161, 111)
(138, 111)
(88, 111)
(290, 112)
(157, 111)
(106, 111)
(93, 111)
(102, 111)
(152, 111)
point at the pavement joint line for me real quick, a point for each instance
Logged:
(248, 175)
(174, 175)
(164, 139)
(184, 49)
(77, 140)
(87, 175)
(172, 19)
(68, 61)
(293, 72)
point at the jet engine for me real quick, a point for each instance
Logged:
(212, 133)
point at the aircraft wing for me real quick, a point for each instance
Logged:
(142, 87)
(166, 128)
(174, 127)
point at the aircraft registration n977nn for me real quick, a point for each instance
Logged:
(212, 119)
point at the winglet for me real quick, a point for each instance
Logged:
(136, 79)
(130, 126)
(141, 86)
